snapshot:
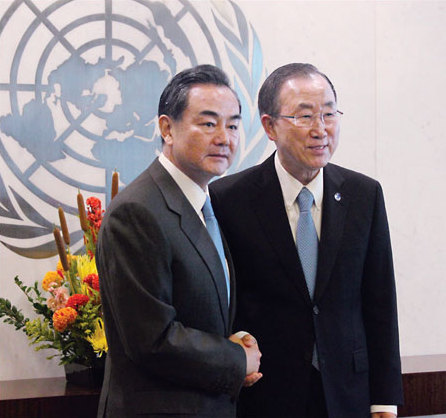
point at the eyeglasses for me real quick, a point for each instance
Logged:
(307, 120)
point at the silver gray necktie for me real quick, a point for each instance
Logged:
(306, 239)
(214, 232)
(307, 246)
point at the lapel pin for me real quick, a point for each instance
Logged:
(337, 197)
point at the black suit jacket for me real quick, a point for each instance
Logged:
(165, 307)
(353, 317)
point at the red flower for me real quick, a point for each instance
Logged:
(93, 281)
(94, 210)
(94, 215)
(94, 203)
(77, 300)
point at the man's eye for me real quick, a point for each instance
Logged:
(233, 127)
(329, 114)
(304, 117)
(209, 124)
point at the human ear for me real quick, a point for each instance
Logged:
(165, 126)
(268, 126)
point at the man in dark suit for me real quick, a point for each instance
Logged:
(324, 313)
(167, 294)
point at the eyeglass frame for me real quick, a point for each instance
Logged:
(312, 119)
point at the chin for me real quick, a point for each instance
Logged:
(218, 171)
(321, 163)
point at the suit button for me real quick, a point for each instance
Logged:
(315, 310)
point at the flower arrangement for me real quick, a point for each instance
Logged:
(67, 302)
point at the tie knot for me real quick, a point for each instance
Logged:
(305, 200)
(207, 210)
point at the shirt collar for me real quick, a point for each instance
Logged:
(193, 192)
(291, 187)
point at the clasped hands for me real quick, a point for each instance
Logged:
(253, 354)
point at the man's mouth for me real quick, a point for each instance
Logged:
(218, 155)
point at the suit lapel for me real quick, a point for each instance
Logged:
(334, 210)
(196, 232)
(267, 204)
(231, 268)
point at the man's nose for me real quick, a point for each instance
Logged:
(318, 127)
(221, 135)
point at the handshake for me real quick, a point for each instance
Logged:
(253, 354)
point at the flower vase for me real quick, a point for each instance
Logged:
(86, 376)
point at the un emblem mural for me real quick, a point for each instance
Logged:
(79, 89)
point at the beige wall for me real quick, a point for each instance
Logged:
(388, 63)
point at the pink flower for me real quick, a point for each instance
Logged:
(59, 299)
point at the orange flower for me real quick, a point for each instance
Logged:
(51, 279)
(77, 300)
(63, 317)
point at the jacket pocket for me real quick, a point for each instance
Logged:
(360, 361)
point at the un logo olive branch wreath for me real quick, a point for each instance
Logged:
(21, 221)
(247, 60)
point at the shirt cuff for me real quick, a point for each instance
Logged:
(384, 408)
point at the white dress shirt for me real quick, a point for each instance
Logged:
(193, 192)
(291, 188)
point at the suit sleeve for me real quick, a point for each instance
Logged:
(134, 258)
(380, 312)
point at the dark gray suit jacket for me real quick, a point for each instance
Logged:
(165, 307)
(353, 317)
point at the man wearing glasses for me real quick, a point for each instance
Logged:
(313, 260)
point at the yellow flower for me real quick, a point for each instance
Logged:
(86, 266)
(51, 279)
(98, 340)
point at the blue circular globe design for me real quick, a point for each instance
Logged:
(92, 106)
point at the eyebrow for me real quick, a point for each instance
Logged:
(310, 106)
(216, 115)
